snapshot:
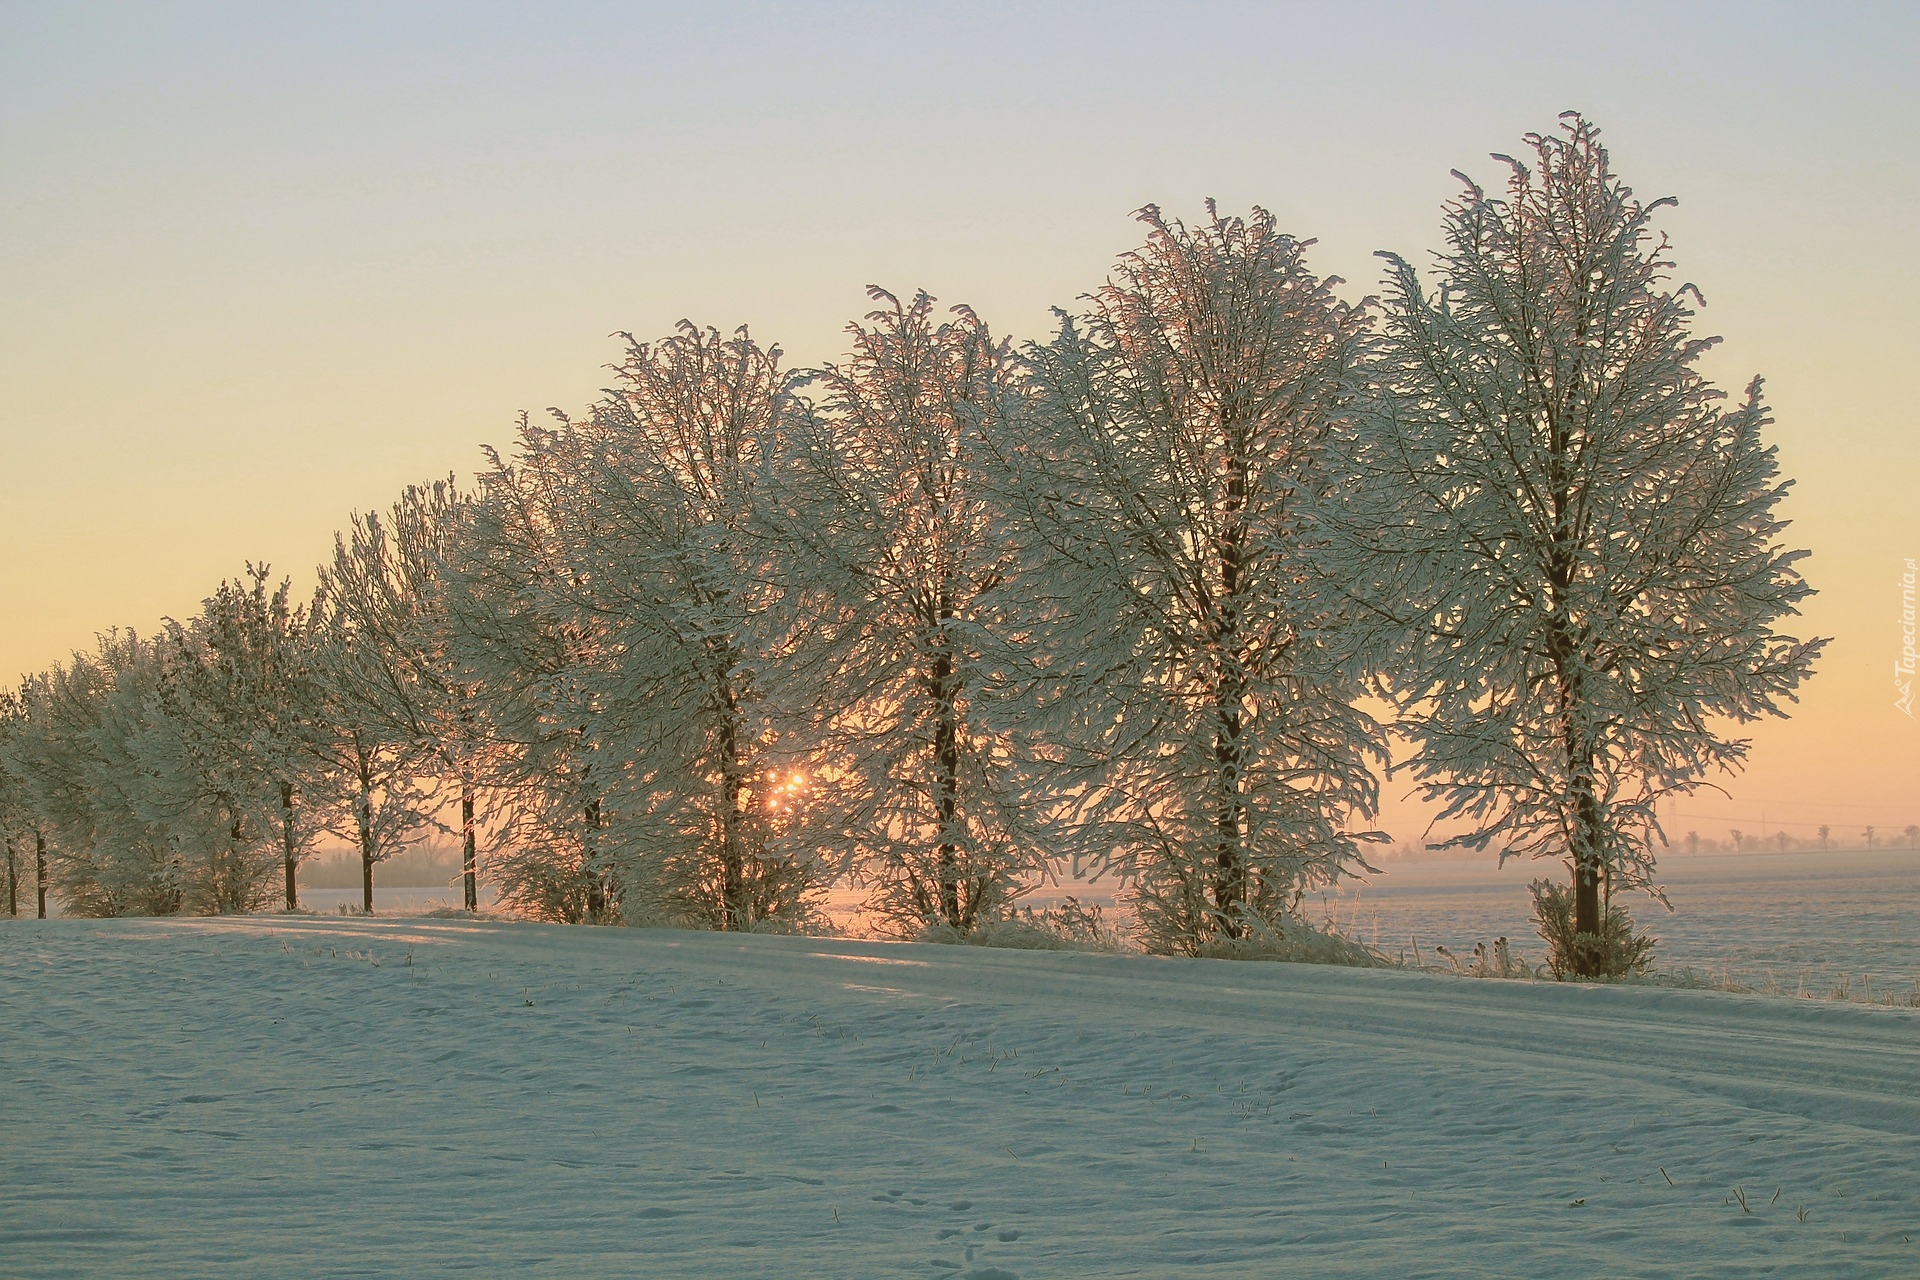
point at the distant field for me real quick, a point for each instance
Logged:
(1814, 918)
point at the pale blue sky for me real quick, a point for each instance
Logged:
(263, 264)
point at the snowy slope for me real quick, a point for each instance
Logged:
(275, 1097)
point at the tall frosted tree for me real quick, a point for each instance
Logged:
(888, 511)
(620, 613)
(377, 699)
(528, 658)
(99, 838)
(672, 574)
(1568, 536)
(16, 812)
(238, 710)
(1194, 659)
(387, 588)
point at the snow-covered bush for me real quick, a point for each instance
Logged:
(1067, 926)
(1615, 951)
(1292, 939)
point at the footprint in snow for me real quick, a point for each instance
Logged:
(967, 1270)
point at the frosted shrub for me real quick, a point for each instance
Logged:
(1079, 926)
(1614, 952)
(1071, 926)
(1292, 939)
(556, 881)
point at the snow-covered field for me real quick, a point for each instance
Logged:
(1801, 918)
(324, 1097)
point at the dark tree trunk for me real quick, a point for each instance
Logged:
(1589, 867)
(1229, 749)
(288, 845)
(947, 792)
(596, 886)
(40, 871)
(467, 868)
(364, 813)
(1566, 649)
(1588, 855)
(13, 893)
(735, 912)
(1230, 860)
(232, 895)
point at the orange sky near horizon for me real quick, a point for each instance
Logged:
(261, 267)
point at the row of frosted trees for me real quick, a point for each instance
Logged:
(950, 613)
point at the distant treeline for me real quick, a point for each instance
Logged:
(1849, 839)
(413, 869)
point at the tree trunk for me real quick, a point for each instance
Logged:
(596, 886)
(467, 868)
(1229, 750)
(1230, 858)
(1566, 650)
(288, 845)
(40, 871)
(1588, 854)
(947, 792)
(13, 896)
(233, 896)
(734, 910)
(363, 812)
(1588, 867)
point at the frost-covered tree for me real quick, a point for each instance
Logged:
(239, 708)
(621, 619)
(378, 696)
(887, 509)
(527, 655)
(26, 754)
(16, 814)
(98, 842)
(425, 524)
(1194, 658)
(387, 592)
(1566, 534)
(149, 775)
(665, 569)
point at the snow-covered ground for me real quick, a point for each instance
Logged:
(1795, 919)
(315, 1097)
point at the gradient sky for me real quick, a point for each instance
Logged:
(261, 265)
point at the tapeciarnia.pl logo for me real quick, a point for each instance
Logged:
(1903, 666)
